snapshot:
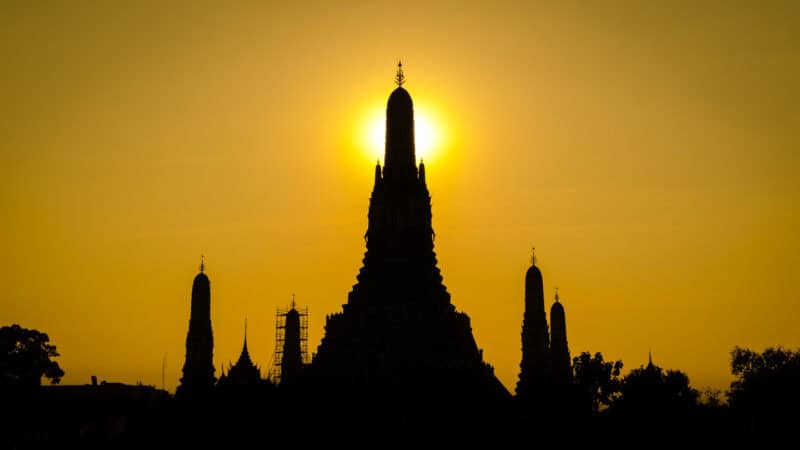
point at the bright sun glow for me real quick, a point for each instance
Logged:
(427, 134)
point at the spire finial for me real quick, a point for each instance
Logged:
(649, 358)
(399, 79)
(556, 295)
(202, 263)
(244, 346)
(533, 255)
(292, 300)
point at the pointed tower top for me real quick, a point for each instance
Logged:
(533, 256)
(202, 263)
(556, 295)
(649, 359)
(293, 301)
(244, 357)
(399, 79)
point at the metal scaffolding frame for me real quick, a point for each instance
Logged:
(274, 373)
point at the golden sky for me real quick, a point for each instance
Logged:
(649, 152)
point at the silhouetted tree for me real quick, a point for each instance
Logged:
(596, 380)
(652, 390)
(711, 398)
(766, 392)
(25, 357)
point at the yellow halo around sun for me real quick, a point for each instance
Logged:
(428, 134)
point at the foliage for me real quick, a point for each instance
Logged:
(766, 384)
(596, 380)
(711, 398)
(652, 389)
(25, 357)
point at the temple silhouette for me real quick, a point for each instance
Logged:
(398, 330)
(398, 363)
(398, 351)
(245, 372)
(546, 367)
(198, 370)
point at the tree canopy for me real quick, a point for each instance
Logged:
(767, 384)
(596, 380)
(25, 357)
(655, 390)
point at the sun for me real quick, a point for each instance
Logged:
(428, 134)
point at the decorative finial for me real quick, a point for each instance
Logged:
(533, 255)
(399, 79)
(649, 357)
(556, 295)
(202, 263)
(244, 346)
(292, 300)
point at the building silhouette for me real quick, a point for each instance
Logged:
(535, 365)
(561, 363)
(244, 372)
(198, 368)
(398, 331)
(292, 358)
(546, 368)
(291, 344)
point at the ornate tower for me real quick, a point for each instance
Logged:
(559, 351)
(244, 372)
(398, 327)
(198, 369)
(533, 376)
(292, 358)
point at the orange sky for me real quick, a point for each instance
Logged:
(650, 153)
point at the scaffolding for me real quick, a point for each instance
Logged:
(274, 374)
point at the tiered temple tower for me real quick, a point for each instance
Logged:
(534, 372)
(559, 350)
(292, 358)
(198, 368)
(398, 331)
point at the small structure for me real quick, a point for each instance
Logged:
(291, 344)
(244, 372)
(559, 350)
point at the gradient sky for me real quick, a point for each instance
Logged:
(648, 151)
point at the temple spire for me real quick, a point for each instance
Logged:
(202, 263)
(535, 337)
(245, 333)
(559, 349)
(399, 78)
(198, 368)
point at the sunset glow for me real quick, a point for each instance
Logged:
(428, 133)
(651, 160)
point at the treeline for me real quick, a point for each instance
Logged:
(762, 403)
